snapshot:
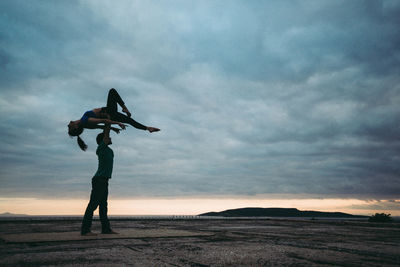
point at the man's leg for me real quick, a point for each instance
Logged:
(95, 197)
(103, 208)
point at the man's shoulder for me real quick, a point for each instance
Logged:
(102, 148)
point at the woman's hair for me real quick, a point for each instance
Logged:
(77, 132)
(81, 144)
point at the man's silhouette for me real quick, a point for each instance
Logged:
(99, 194)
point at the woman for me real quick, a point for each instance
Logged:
(107, 115)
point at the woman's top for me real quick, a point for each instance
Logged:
(87, 115)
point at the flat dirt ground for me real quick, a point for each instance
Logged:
(201, 242)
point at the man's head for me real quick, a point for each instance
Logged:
(100, 137)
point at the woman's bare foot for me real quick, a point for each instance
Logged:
(125, 110)
(152, 129)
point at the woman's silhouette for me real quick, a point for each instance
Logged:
(108, 115)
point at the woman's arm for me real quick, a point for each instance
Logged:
(103, 127)
(95, 121)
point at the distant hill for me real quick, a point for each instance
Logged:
(8, 214)
(279, 212)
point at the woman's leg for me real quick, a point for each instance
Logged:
(112, 100)
(125, 119)
(112, 109)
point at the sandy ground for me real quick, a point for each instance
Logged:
(249, 242)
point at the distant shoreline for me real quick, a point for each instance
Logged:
(280, 212)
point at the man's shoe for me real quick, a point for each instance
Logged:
(88, 234)
(111, 232)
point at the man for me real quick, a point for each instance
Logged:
(99, 194)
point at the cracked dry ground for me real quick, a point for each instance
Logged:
(244, 242)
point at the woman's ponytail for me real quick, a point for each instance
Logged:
(81, 144)
(76, 131)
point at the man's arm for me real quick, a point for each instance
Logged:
(106, 132)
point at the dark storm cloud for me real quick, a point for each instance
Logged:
(285, 97)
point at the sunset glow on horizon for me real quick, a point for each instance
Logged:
(190, 206)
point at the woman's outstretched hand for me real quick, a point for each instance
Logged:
(152, 129)
(115, 130)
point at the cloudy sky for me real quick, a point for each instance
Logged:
(297, 99)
